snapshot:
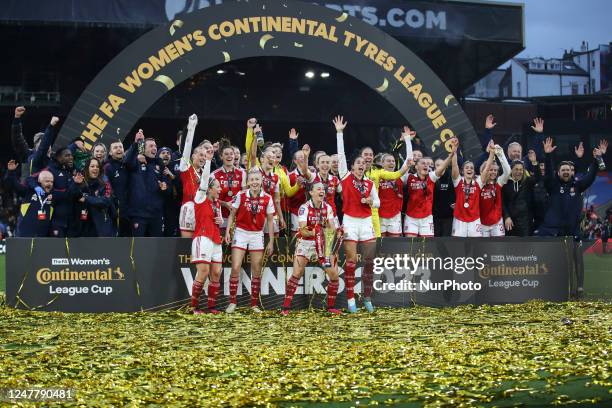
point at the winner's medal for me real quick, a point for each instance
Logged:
(467, 190)
(362, 190)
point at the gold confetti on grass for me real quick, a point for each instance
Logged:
(464, 356)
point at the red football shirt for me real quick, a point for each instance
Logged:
(312, 216)
(299, 198)
(332, 186)
(391, 197)
(191, 182)
(229, 181)
(420, 195)
(205, 214)
(270, 182)
(467, 194)
(353, 190)
(252, 211)
(490, 204)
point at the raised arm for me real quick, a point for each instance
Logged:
(18, 141)
(503, 179)
(293, 145)
(302, 165)
(549, 171)
(484, 174)
(249, 142)
(407, 136)
(46, 142)
(455, 174)
(451, 156)
(12, 180)
(340, 125)
(201, 194)
(186, 158)
(486, 136)
(586, 182)
(131, 157)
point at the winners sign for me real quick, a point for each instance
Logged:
(127, 275)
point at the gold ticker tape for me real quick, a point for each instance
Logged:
(384, 86)
(167, 81)
(342, 18)
(264, 39)
(175, 24)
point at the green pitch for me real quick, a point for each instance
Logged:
(598, 277)
(534, 354)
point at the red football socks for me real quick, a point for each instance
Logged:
(349, 279)
(292, 285)
(233, 288)
(255, 285)
(213, 292)
(196, 291)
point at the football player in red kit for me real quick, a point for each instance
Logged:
(331, 183)
(251, 209)
(232, 180)
(270, 180)
(491, 195)
(390, 191)
(466, 221)
(190, 172)
(358, 197)
(302, 177)
(313, 216)
(206, 250)
(419, 218)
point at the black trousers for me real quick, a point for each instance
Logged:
(443, 227)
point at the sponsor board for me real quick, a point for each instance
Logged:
(125, 274)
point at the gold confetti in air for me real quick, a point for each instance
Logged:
(384, 86)
(448, 99)
(226, 56)
(175, 24)
(264, 39)
(167, 81)
(298, 45)
(342, 18)
(118, 130)
(435, 145)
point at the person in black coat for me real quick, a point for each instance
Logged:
(443, 203)
(61, 166)
(517, 200)
(117, 174)
(37, 158)
(36, 208)
(566, 200)
(94, 207)
(172, 201)
(565, 204)
(148, 187)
